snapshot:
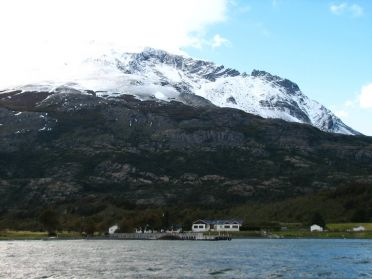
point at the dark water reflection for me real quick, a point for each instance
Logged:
(249, 258)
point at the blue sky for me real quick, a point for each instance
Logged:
(324, 46)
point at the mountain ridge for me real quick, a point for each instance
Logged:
(157, 74)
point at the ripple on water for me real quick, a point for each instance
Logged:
(326, 274)
(369, 275)
(221, 271)
(249, 258)
(154, 269)
(363, 261)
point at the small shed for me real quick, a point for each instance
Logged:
(113, 229)
(316, 228)
(359, 229)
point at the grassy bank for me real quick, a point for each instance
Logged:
(326, 234)
(295, 230)
(292, 230)
(299, 234)
(348, 226)
(29, 235)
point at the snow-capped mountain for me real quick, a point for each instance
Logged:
(158, 75)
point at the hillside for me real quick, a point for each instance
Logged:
(85, 155)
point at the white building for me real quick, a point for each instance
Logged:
(174, 229)
(113, 229)
(359, 229)
(232, 225)
(316, 228)
(144, 230)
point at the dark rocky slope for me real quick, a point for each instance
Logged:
(83, 154)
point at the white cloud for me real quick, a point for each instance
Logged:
(338, 9)
(354, 10)
(355, 117)
(359, 120)
(36, 33)
(356, 112)
(219, 41)
(365, 97)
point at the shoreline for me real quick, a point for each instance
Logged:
(232, 238)
(335, 231)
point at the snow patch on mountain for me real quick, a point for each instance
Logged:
(157, 75)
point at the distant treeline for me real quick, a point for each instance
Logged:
(345, 204)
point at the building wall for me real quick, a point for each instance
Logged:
(200, 228)
(227, 228)
(113, 229)
(218, 228)
(316, 228)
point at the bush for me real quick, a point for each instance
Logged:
(317, 219)
(50, 220)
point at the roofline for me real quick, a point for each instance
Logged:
(219, 221)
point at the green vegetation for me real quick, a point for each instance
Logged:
(326, 234)
(154, 165)
(318, 219)
(20, 235)
(348, 226)
(95, 169)
(328, 206)
(50, 220)
(95, 214)
(263, 230)
(296, 230)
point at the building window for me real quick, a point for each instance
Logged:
(235, 227)
(227, 226)
(201, 227)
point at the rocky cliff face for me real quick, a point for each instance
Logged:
(65, 147)
(158, 75)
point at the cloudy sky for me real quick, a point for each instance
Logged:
(324, 46)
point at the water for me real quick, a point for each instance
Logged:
(248, 258)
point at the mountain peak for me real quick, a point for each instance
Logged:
(154, 74)
(286, 83)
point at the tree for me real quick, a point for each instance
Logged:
(360, 215)
(318, 219)
(165, 220)
(126, 226)
(187, 224)
(50, 220)
(151, 220)
(89, 227)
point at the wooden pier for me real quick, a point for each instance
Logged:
(169, 236)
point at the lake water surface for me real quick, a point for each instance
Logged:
(239, 258)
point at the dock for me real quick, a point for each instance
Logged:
(169, 236)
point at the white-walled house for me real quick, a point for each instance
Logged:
(113, 229)
(232, 225)
(316, 228)
(359, 229)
